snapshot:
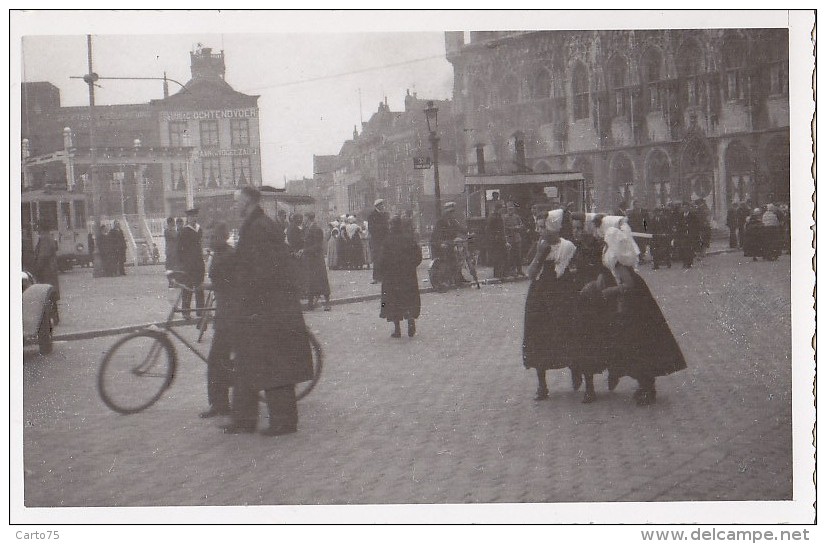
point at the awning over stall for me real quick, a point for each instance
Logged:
(522, 179)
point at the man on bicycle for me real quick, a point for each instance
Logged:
(447, 229)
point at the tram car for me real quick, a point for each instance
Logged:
(64, 213)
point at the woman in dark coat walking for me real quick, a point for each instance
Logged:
(312, 264)
(271, 342)
(46, 269)
(552, 296)
(400, 298)
(643, 345)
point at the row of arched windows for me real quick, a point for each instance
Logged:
(691, 67)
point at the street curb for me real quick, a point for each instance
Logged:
(126, 329)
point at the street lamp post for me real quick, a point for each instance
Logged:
(190, 187)
(432, 114)
(97, 198)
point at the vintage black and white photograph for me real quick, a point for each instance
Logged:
(454, 267)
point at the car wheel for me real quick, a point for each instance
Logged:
(44, 334)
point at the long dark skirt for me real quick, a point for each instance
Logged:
(315, 276)
(355, 252)
(644, 346)
(753, 241)
(591, 321)
(400, 297)
(547, 342)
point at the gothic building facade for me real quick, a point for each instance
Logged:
(649, 115)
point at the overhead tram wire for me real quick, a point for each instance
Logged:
(343, 74)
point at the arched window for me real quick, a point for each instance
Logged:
(519, 152)
(734, 53)
(740, 173)
(690, 66)
(617, 82)
(622, 177)
(540, 84)
(580, 91)
(651, 67)
(509, 90)
(658, 174)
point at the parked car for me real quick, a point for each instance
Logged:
(38, 313)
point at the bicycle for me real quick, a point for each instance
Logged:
(445, 272)
(138, 368)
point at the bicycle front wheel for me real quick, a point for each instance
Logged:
(136, 371)
(303, 389)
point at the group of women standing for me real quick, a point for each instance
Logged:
(588, 310)
(347, 248)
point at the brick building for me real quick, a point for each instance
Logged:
(654, 115)
(378, 163)
(206, 130)
(152, 160)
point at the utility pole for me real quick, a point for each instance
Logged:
(97, 196)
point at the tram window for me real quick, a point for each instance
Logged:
(47, 214)
(80, 214)
(66, 214)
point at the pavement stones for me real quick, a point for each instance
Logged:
(448, 416)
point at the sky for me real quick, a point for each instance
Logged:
(310, 99)
(317, 73)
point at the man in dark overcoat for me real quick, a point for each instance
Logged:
(117, 246)
(219, 366)
(272, 345)
(663, 232)
(191, 263)
(378, 226)
(495, 231)
(686, 234)
(732, 220)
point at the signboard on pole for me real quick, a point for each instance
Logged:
(422, 163)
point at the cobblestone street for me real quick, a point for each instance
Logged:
(448, 416)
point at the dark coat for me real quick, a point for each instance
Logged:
(753, 237)
(295, 237)
(117, 244)
(190, 255)
(220, 274)
(272, 345)
(590, 343)
(170, 237)
(643, 344)
(399, 283)
(549, 332)
(45, 264)
(378, 225)
(312, 262)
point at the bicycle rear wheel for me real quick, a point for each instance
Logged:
(303, 389)
(136, 371)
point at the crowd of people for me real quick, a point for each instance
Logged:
(258, 285)
(587, 309)
(764, 231)
(111, 244)
(348, 244)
